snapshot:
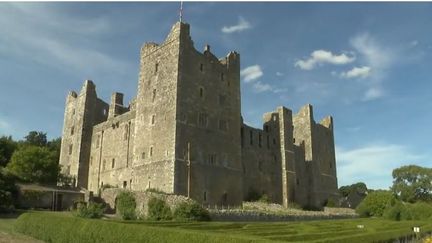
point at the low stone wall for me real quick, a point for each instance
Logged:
(109, 196)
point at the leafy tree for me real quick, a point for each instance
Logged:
(412, 183)
(36, 138)
(34, 164)
(374, 204)
(190, 211)
(359, 187)
(8, 191)
(7, 147)
(158, 209)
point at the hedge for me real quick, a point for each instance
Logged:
(55, 227)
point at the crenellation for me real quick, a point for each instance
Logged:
(183, 134)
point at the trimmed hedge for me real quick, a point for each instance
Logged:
(191, 211)
(55, 227)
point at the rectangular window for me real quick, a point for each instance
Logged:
(72, 130)
(154, 95)
(223, 125)
(259, 140)
(202, 119)
(113, 163)
(151, 151)
(97, 141)
(222, 99)
(156, 68)
(153, 119)
(70, 149)
(251, 137)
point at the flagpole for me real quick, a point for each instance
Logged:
(181, 11)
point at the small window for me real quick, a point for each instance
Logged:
(104, 112)
(73, 112)
(293, 140)
(72, 130)
(331, 166)
(143, 155)
(201, 92)
(274, 118)
(156, 68)
(274, 141)
(70, 149)
(223, 125)
(260, 140)
(205, 196)
(126, 132)
(202, 119)
(151, 151)
(251, 137)
(113, 163)
(212, 159)
(241, 136)
(201, 67)
(91, 160)
(222, 99)
(297, 181)
(104, 165)
(98, 141)
(266, 128)
(124, 184)
(222, 77)
(153, 119)
(154, 95)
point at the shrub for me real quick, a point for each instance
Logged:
(374, 204)
(91, 210)
(8, 192)
(155, 190)
(330, 203)
(191, 212)
(158, 209)
(61, 228)
(264, 199)
(126, 205)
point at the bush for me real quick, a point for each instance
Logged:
(155, 190)
(158, 209)
(91, 210)
(408, 211)
(264, 199)
(61, 228)
(8, 192)
(374, 204)
(126, 205)
(191, 212)
(330, 203)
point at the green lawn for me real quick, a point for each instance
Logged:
(59, 227)
(8, 234)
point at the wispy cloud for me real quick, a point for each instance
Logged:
(357, 72)
(279, 74)
(30, 29)
(251, 73)
(240, 26)
(378, 58)
(262, 87)
(322, 56)
(372, 164)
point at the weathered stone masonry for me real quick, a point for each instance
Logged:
(183, 134)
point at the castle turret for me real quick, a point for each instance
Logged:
(77, 133)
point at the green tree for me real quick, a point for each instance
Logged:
(374, 204)
(412, 183)
(359, 187)
(34, 164)
(36, 138)
(8, 191)
(7, 147)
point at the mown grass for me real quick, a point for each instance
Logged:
(54, 227)
(7, 232)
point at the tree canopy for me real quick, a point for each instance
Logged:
(359, 187)
(412, 183)
(7, 147)
(34, 164)
(36, 138)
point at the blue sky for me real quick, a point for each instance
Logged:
(366, 64)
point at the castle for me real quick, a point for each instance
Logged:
(183, 133)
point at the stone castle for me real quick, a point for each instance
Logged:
(183, 133)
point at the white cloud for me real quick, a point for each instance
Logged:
(321, 57)
(372, 164)
(414, 43)
(31, 29)
(279, 74)
(357, 72)
(262, 87)
(240, 26)
(373, 93)
(251, 73)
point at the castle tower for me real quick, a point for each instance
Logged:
(79, 119)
